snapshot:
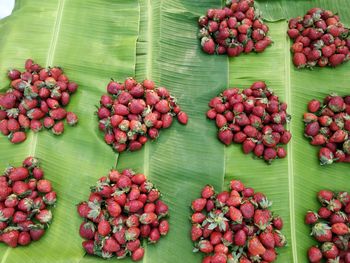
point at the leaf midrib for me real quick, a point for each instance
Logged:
(148, 75)
(149, 65)
(49, 61)
(290, 150)
(6, 255)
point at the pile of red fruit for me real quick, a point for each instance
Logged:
(320, 39)
(235, 29)
(122, 210)
(235, 226)
(133, 111)
(328, 125)
(25, 202)
(330, 227)
(36, 99)
(254, 117)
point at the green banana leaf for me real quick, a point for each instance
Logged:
(94, 40)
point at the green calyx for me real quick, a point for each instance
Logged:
(216, 220)
(29, 93)
(346, 146)
(12, 112)
(265, 203)
(95, 209)
(320, 229)
(2, 217)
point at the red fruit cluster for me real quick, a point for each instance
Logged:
(36, 99)
(328, 125)
(26, 199)
(254, 117)
(320, 39)
(123, 210)
(330, 227)
(235, 29)
(235, 226)
(132, 112)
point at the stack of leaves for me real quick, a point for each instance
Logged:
(235, 226)
(320, 39)
(25, 202)
(234, 29)
(328, 125)
(330, 227)
(36, 99)
(123, 209)
(132, 112)
(254, 117)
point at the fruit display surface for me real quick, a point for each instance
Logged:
(158, 40)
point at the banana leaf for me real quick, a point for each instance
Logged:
(98, 39)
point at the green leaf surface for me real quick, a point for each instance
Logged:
(92, 44)
(284, 9)
(156, 39)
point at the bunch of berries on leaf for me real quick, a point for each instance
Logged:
(132, 112)
(26, 199)
(320, 39)
(328, 126)
(123, 209)
(330, 227)
(36, 99)
(253, 117)
(235, 226)
(235, 29)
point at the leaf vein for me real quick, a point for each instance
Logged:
(50, 55)
(290, 151)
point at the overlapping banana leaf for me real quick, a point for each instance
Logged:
(97, 39)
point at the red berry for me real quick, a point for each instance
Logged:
(163, 227)
(104, 228)
(314, 254)
(207, 191)
(255, 247)
(44, 186)
(138, 254)
(182, 117)
(71, 118)
(88, 245)
(10, 238)
(18, 137)
(58, 128)
(24, 238)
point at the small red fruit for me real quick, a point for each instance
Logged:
(182, 117)
(71, 118)
(326, 156)
(10, 238)
(58, 128)
(104, 228)
(340, 229)
(18, 174)
(314, 106)
(255, 247)
(208, 45)
(44, 186)
(314, 254)
(24, 238)
(299, 60)
(88, 246)
(17, 137)
(137, 254)
(163, 227)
